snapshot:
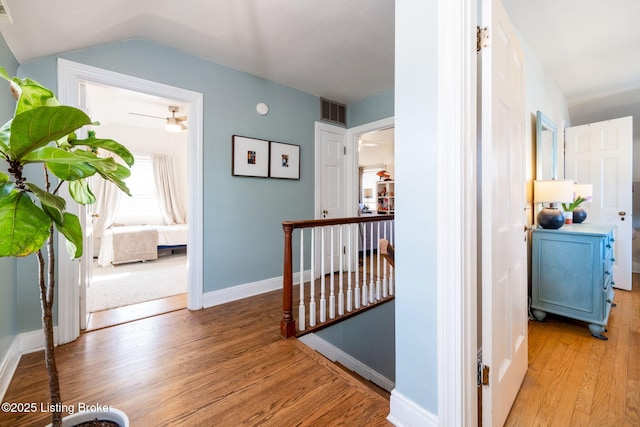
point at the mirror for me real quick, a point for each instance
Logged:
(546, 148)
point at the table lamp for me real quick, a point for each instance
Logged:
(552, 192)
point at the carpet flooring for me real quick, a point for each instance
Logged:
(125, 284)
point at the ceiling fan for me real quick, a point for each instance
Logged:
(173, 123)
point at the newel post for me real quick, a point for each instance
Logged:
(288, 323)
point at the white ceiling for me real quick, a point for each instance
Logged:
(590, 48)
(343, 49)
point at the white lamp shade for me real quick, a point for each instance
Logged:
(552, 191)
(583, 190)
(368, 193)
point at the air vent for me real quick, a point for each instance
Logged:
(5, 17)
(333, 111)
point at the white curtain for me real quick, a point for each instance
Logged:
(106, 206)
(169, 200)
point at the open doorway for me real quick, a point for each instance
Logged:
(376, 172)
(72, 280)
(139, 243)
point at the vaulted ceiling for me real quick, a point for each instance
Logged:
(343, 49)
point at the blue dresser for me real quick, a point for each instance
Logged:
(572, 274)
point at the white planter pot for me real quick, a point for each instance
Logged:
(113, 414)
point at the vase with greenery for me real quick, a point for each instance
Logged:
(42, 134)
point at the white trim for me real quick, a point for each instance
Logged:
(351, 197)
(24, 343)
(457, 294)
(335, 354)
(69, 74)
(405, 412)
(234, 293)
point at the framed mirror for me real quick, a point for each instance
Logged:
(546, 148)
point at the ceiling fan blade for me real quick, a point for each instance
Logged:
(182, 125)
(147, 115)
(181, 118)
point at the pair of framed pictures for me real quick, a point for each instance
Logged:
(266, 159)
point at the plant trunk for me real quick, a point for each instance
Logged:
(47, 287)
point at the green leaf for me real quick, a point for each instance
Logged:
(68, 165)
(81, 192)
(72, 231)
(6, 186)
(4, 74)
(53, 213)
(39, 126)
(24, 227)
(108, 145)
(5, 135)
(117, 177)
(47, 198)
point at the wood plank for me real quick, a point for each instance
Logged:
(577, 380)
(226, 365)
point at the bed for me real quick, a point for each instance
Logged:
(133, 243)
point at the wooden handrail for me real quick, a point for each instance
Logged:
(288, 324)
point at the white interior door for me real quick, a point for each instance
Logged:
(601, 154)
(502, 258)
(330, 183)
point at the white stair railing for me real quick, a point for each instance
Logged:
(343, 273)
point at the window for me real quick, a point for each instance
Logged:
(142, 207)
(368, 179)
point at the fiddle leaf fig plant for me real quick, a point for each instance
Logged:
(42, 133)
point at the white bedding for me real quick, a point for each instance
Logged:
(133, 243)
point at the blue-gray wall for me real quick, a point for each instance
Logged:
(8, 281)
(368, 337)
(374, 108)
(242, 216)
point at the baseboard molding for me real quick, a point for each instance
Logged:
(234, 293)
(24, 343)
(335, 354)
(405, 412)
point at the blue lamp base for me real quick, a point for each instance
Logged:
(579, 215)
(550, 218)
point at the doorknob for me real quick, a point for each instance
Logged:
(95, 215)
(325, 213)
(622, 214)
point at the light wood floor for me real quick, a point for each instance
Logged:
(577, 380)
(223, 366)
(228, 366)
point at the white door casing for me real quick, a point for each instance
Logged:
(503, 260)
(70, 74)
(600, 154)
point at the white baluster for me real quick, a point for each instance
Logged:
(323, 297)
(332, 295)
(385, 269)
(365, 293)
(356, 291)
(341, 281)
(391, 268)
(371, 284)
(301, 307)
(312, 281)
(378, 284)
(349, 255)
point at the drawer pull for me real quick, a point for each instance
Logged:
(609, 300)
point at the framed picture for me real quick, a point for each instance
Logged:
(284, 160)
(249, 157)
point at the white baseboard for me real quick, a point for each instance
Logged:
(334, 354)
(406, 413)
(24, 343)
(234, 293)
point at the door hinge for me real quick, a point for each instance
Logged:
(344, 150)
(482, 38)
(483, 374)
